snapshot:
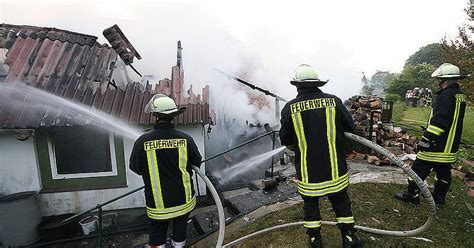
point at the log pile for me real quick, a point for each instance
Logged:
(362, 109)
(367, 114)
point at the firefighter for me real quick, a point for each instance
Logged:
(416, 96)
(440, 142)
(163, 157)
(429, 97)
(408, 96)
(313, 125)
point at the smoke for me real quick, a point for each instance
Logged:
(266, 57)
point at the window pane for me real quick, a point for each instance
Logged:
(81, 150)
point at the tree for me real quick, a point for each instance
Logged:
(366, 88)
(412, 76)
(460, 51)
(417, 71)
(380, 80)
(430, 54)
(377, 83)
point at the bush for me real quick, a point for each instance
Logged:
(393, 97)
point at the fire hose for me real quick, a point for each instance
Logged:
(394, 159)
(220, 207)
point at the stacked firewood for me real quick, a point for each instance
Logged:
(367, 114)
(362, 109)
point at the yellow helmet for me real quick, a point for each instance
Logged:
(163, 105)
(306, 76)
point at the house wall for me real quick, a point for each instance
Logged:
(18, 169)
(25, 177)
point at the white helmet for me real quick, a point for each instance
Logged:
(306, 76)
(447, 71)
(163, 105)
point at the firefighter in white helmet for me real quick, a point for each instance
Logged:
(163, 157)
(313, 125)
(439, 145)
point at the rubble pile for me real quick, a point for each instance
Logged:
(367, 114)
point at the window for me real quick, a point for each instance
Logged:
(81, 152)
(79, 158)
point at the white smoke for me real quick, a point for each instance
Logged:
(266, 58)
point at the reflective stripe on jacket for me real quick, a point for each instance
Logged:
(445, 126)
(314, 123)
(163, 157)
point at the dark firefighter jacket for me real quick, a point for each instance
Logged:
(445, 126)
(163, 157)
(314, 124)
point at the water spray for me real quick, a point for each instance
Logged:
(15, 95)
(253, 163)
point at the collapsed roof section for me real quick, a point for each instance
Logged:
(75, 67)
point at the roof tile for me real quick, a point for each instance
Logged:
(74, 66)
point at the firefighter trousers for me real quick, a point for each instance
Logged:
(340, 203)
(159, 228)
(443, 176)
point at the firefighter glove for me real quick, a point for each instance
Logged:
(424, 144)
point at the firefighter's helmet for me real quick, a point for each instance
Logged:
(447, 71)
(162, 105)
(306, 76)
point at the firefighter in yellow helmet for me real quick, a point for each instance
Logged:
(163, 157)
(439, 145)
(313, 125)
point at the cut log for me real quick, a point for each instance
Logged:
(372, 159)
(269, 183)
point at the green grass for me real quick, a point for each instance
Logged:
(374, 206)
(466, 153)
(398, 109)
(421, 114)
(468, 128)
(413, 118)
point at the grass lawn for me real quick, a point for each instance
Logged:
(374, 206)
(413, 118)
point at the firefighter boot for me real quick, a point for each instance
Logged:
(411, 195)
(181, 244)
(349, 238)
(440, 191)
(315, 240)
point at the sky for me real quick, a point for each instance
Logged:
(262, 41)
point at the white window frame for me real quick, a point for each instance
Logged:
(54, 168)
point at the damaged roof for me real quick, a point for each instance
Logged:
(74, 66)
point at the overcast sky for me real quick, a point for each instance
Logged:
(264, 39)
